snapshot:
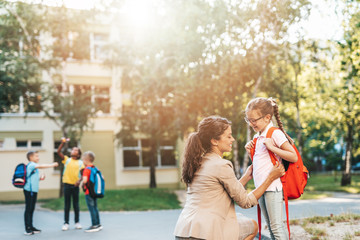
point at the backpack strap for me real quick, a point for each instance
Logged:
(259, 219)
(286, 209)
(80, 165)
(27, 177)
(268, 135)
(252, 150)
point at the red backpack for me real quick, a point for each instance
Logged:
(293, 182)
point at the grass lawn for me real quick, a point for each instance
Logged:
(126, 200)
(331, 183)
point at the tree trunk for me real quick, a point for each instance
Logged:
(246, 155)
(152, 174)
(299, 129)
(298, 122)
(153, 160)
(236, 158)
(61, 188)
(346, 177)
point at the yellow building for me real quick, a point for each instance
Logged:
(123, 166)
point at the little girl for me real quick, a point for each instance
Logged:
(259, 112)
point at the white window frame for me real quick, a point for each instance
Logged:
(28, 144)
(94, 43)
(103, 96)
(139, 148)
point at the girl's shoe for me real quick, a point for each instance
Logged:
(65, 227)
(78, 226)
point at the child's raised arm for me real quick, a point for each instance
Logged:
(41, 166)
(63, 140)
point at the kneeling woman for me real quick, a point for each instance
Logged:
(212, 187)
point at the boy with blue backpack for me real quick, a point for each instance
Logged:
(31, 188)
(93, 185)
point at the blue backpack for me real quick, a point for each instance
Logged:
(19, 178)
(96, 183)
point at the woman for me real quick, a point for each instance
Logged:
(209, 212)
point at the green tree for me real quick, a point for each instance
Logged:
(35, 42)
(218, 56)
(244, 45)
(348, 93)
(155, 72)
(20, 70)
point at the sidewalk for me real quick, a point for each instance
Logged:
(156, 225)
(337, 204)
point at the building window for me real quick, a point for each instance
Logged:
(28, 144)
(101, 99)
(1, 143)
(137, 153)
(97, 43)
(36, 144)
(167, 156)
(56, 99)
(82, 94)
(21, 144)
(98, 97)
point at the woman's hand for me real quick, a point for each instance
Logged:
(249, 146)
(248, 172)
(277, 171)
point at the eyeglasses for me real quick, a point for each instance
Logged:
(252, 121)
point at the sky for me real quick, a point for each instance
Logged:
(323, 22)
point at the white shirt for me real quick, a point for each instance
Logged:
(262, 162)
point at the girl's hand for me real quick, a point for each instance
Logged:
(77, 183)
(249, 172)
(269, 143)
(249, 146)
(64, 140)
(42, 177)
(277, 171)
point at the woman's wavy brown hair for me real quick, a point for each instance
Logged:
(199, 143)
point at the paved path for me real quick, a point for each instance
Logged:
(157, 225)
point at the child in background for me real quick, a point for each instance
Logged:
(31, 189)
(71, 176)
(88, 159)
(259, 112)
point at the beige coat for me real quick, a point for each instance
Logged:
(209, 211)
